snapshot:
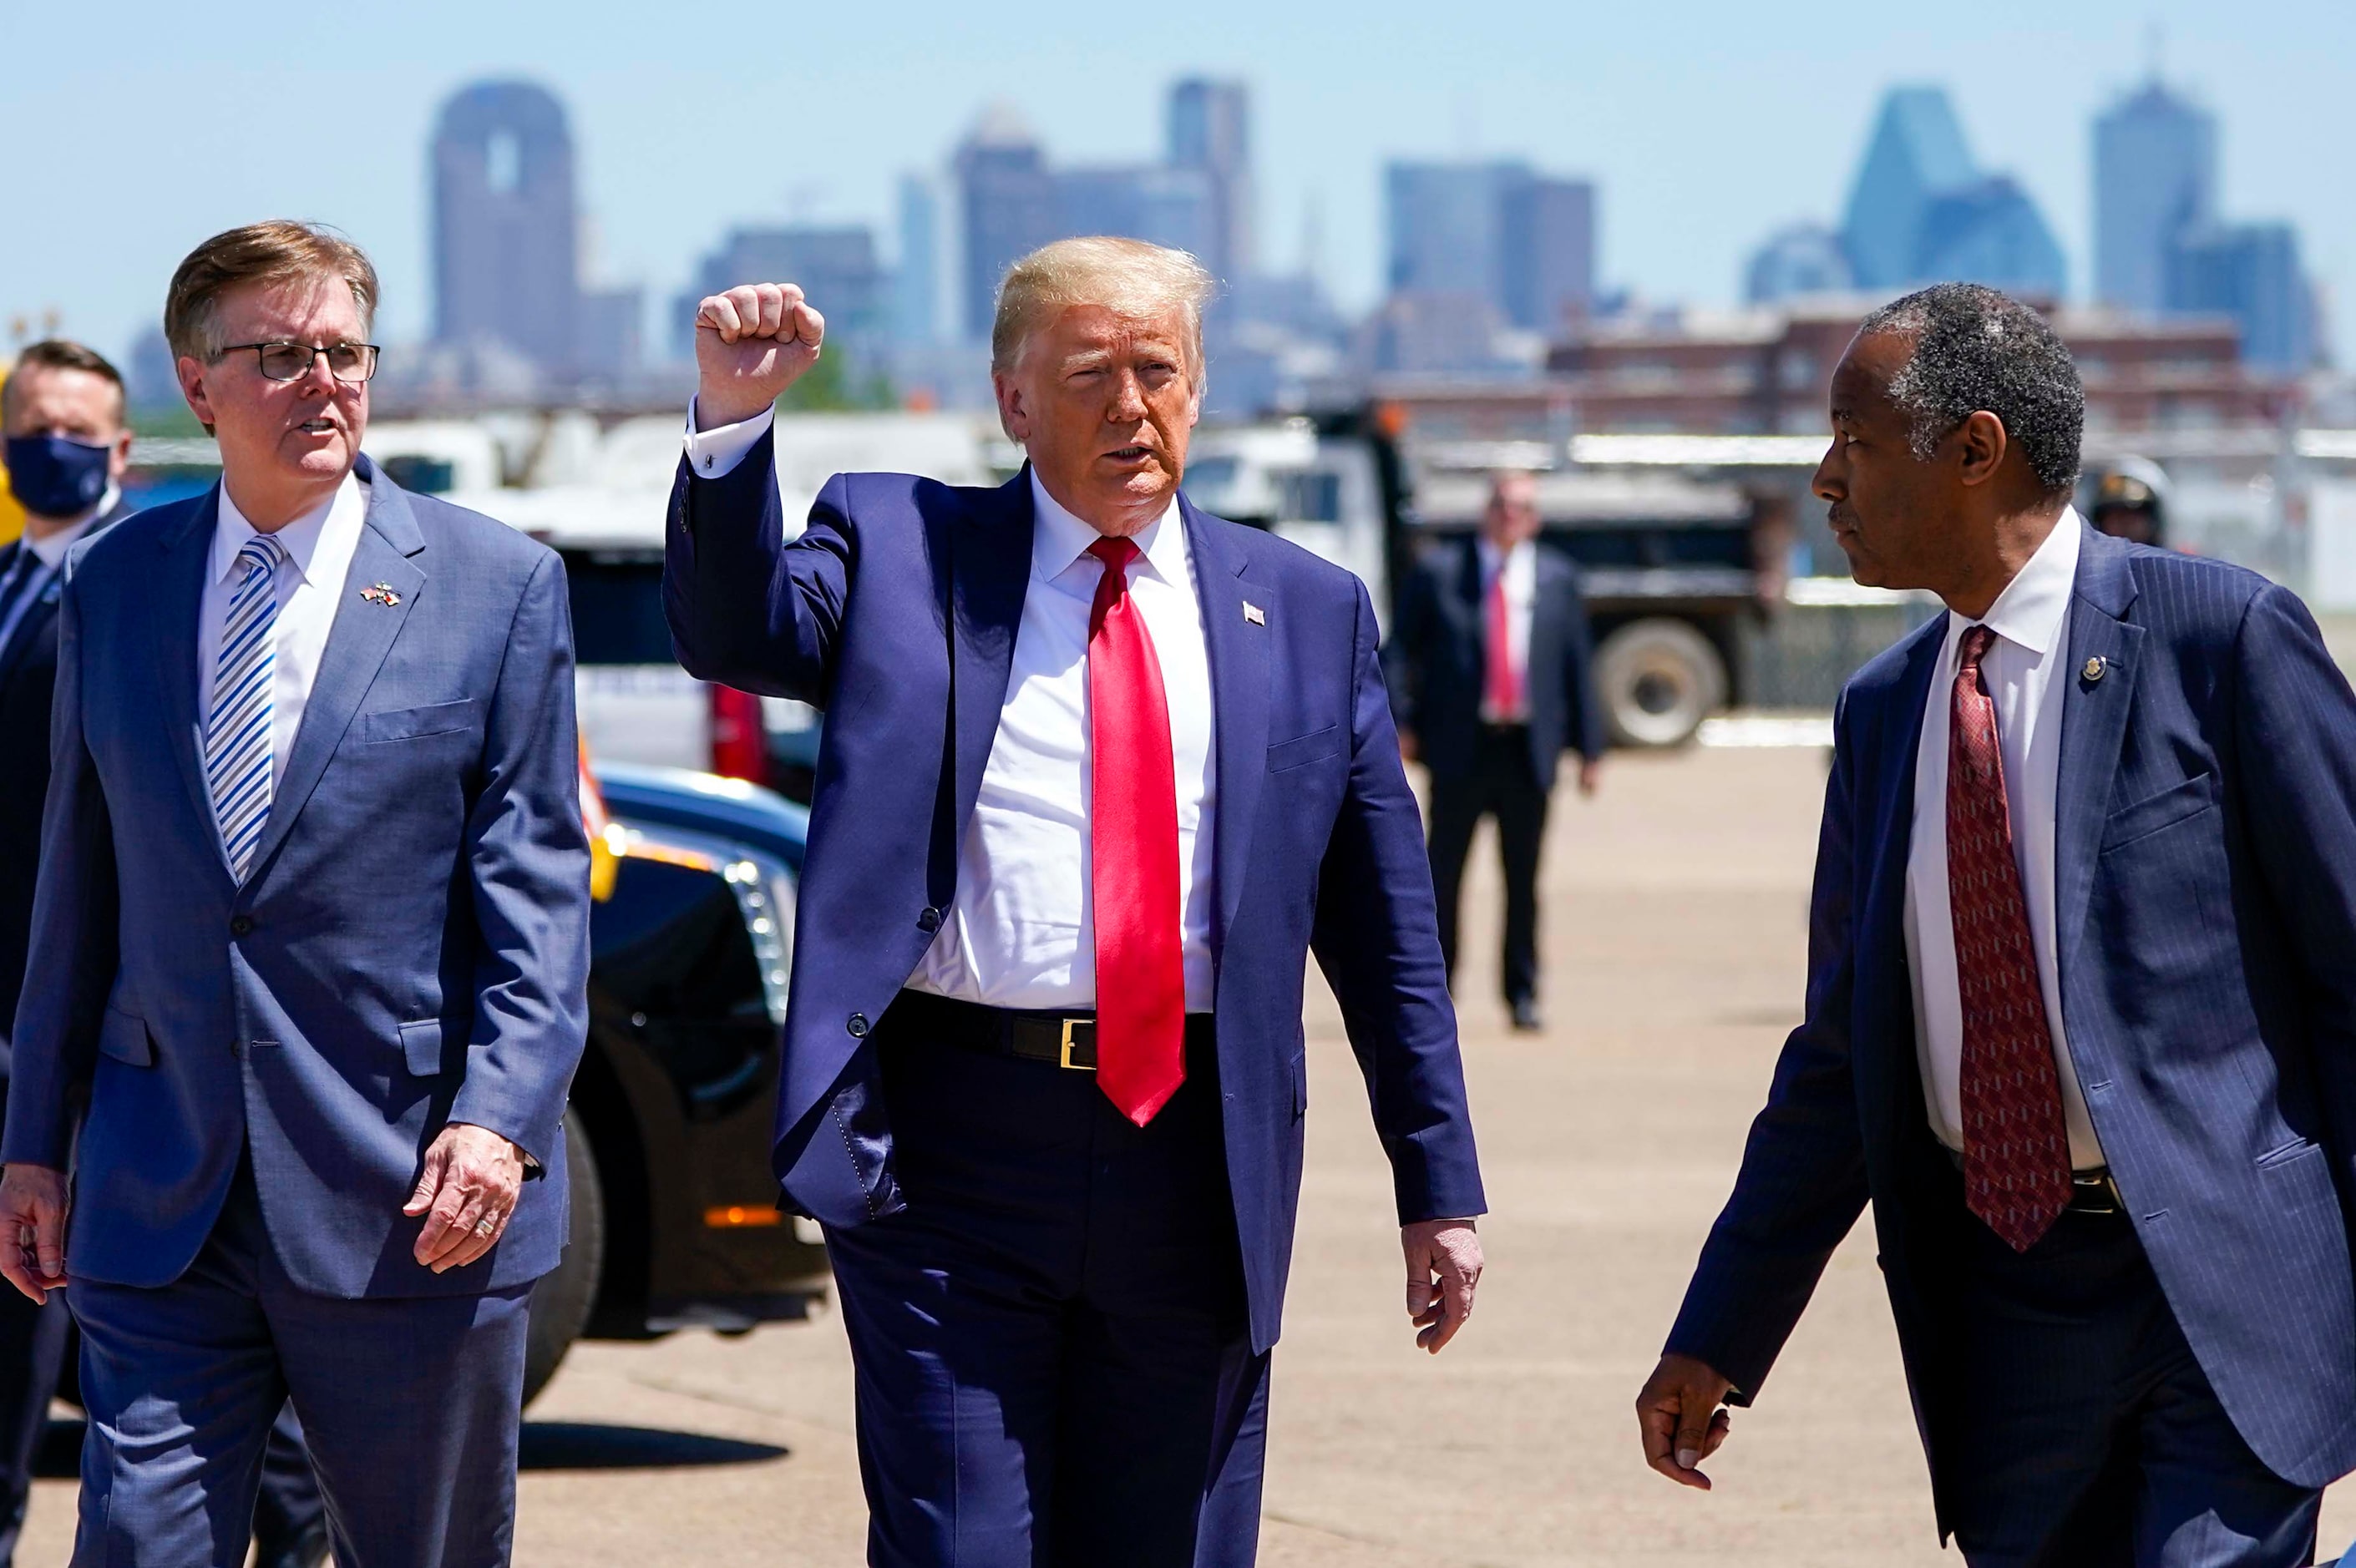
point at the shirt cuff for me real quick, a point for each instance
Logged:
(714, 454)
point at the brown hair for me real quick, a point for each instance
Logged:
(278, 251)
(63, 354)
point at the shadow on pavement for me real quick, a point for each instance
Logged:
(547, 1446)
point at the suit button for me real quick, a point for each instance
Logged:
(929, 920)
(240, 926)
(857, 1026)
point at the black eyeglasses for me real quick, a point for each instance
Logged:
(348, 362)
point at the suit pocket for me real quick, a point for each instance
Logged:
(420, 1046)
(412, 723)
(2155, 812)
(123, 1036)
(1303, 750)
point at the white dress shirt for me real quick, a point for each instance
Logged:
(309, 586)
(1520, 567)
(1020, 932)
(2023, 673)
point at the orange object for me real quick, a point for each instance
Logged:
(737, 1217)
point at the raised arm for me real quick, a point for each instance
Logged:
(747, 608)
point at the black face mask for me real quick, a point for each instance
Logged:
(55, 476)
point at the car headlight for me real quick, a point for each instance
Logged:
(766, 900)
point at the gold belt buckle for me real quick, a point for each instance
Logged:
(1069, 1025)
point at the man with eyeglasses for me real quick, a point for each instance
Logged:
(313, 923)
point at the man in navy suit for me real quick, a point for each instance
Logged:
(2080, 1016)
(1491, 678)
(312, 940)
(1099, 773)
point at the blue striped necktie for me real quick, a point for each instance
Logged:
(236, 732)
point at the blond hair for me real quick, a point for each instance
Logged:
(1128, 277)
(278, 251)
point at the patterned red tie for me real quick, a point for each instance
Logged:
(1133, 842)
(2016, 1145)
(1504, 681)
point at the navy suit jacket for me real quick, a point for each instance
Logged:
(1439, 663)
(410, 944)
(2205, 883)
(28, 672)
(896, 612)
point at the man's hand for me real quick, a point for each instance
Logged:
(33, 1218)
(751, 343)
(1590, 773)
(1443, 1266)
(466, 1190)
(1680, 1417)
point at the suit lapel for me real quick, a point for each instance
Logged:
(357, 640)
(1885, 822)
(2093, 726)
(187, 550)
(1238, 649)
(27, 629)
(990, 569)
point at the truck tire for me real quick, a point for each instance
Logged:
(563, 1298)
(1657, 680)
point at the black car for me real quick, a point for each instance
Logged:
(675, 1217)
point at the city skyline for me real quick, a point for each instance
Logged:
(1676, 231)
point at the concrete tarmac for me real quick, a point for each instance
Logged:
(1674, 934)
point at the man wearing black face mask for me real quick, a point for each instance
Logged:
(66, 448)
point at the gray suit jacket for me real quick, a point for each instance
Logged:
(409, 949)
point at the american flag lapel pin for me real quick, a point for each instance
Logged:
(380, 593)
(1254, 614)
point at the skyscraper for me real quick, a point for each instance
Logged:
(506, 266)
(916, 283)
(1546, 237)
(1173, 206)
(1804, 259)
(2250, 271)
(1521, 243)
(1922, 210)
(2155, 180)
(1008, 201)
(1210, 131)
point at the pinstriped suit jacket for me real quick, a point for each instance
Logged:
(2205, 871)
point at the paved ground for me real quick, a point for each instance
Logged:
(1674, 934)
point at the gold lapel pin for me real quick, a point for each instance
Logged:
(1253, 614)
(2091, 670)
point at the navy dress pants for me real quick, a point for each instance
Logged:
(410, 1409)
(32, 1352)
(1502, 782)
(1053, 1363)
(2090, 1437)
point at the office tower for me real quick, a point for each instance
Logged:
(1445, 224)
(506, 266)
(613, 331)
(1547, 244)
(1922, 210)
(1007, 198)
(1210, 131)
(2155, 180)
(1804, 259)
(836, 267)
(1171, 206)
(2250, 271)
(916, 282)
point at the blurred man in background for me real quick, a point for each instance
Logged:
(1491, 675)
(2131, 501)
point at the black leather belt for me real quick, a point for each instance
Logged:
(1065, 1040)
(2091, 1191)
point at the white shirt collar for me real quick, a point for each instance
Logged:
(52, 549)
(2029, 612)
(1059, 539)
(348, 506)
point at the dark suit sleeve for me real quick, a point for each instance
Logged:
(1405, 655)
(1802, 1182)
(528, 858)
(747, 608)
(73, 954)
(1377, 937)
(1585, 734)
(2297, 751)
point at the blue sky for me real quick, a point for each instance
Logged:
(132, 130)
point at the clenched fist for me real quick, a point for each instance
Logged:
(751, 343)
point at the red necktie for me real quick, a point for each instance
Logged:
(2016, 1145)
(1504, 683)
(1133, 842)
